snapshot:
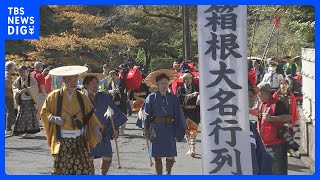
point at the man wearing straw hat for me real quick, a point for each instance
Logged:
(25, 88)
(102, 101)
(70, 124)
(188, 95)
(164, 121)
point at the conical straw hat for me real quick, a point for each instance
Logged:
(68, 71)
(151, 78)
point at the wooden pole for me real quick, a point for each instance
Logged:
(252, 37)
(115, 140)
(266, 49)
(151, 163)
(186, 32)
(277, 39)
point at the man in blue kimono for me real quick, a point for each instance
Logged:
(101, 101)
(165, 121)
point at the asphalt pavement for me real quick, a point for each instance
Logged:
(32, 156)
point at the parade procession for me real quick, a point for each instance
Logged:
(224, 108)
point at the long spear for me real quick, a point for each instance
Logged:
(253, 33)
(265, 50)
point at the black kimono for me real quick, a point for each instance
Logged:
(120, 99)
(188, 102)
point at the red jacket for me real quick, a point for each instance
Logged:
(269, 130)
(293, 107)
(48, 83)
(40, 79)
(252, 73)
(298, 78)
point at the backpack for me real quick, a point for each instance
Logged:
(295, 86)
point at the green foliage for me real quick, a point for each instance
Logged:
(296, 29)
(159, 29)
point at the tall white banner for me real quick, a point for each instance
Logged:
(222, 41)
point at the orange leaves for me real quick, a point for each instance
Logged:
(64, 42)
(110, 40)
(80, 19)
(71, 42)
(15, 58)
(82, 30)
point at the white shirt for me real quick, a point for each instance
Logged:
(273, 78)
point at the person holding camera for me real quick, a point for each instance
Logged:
(272, 115)
(287, 97)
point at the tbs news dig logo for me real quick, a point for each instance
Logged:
(18, 23)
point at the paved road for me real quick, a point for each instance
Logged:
(31, 156)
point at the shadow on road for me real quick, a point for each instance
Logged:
(35, 138)
(297, 168)
(38, 150)
(134, 137)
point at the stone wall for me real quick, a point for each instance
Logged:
(307, 121)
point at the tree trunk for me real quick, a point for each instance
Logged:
(186, 32)
(148, 60)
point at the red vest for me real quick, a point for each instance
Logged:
(269, 130)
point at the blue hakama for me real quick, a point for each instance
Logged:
(261, 161)
(102, 102)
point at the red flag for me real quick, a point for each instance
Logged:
(275, 22)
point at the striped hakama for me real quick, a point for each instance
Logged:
(27, 121)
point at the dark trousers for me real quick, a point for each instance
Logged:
(278, 153)
(10, 113)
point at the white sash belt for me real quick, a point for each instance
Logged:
(70, 133)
